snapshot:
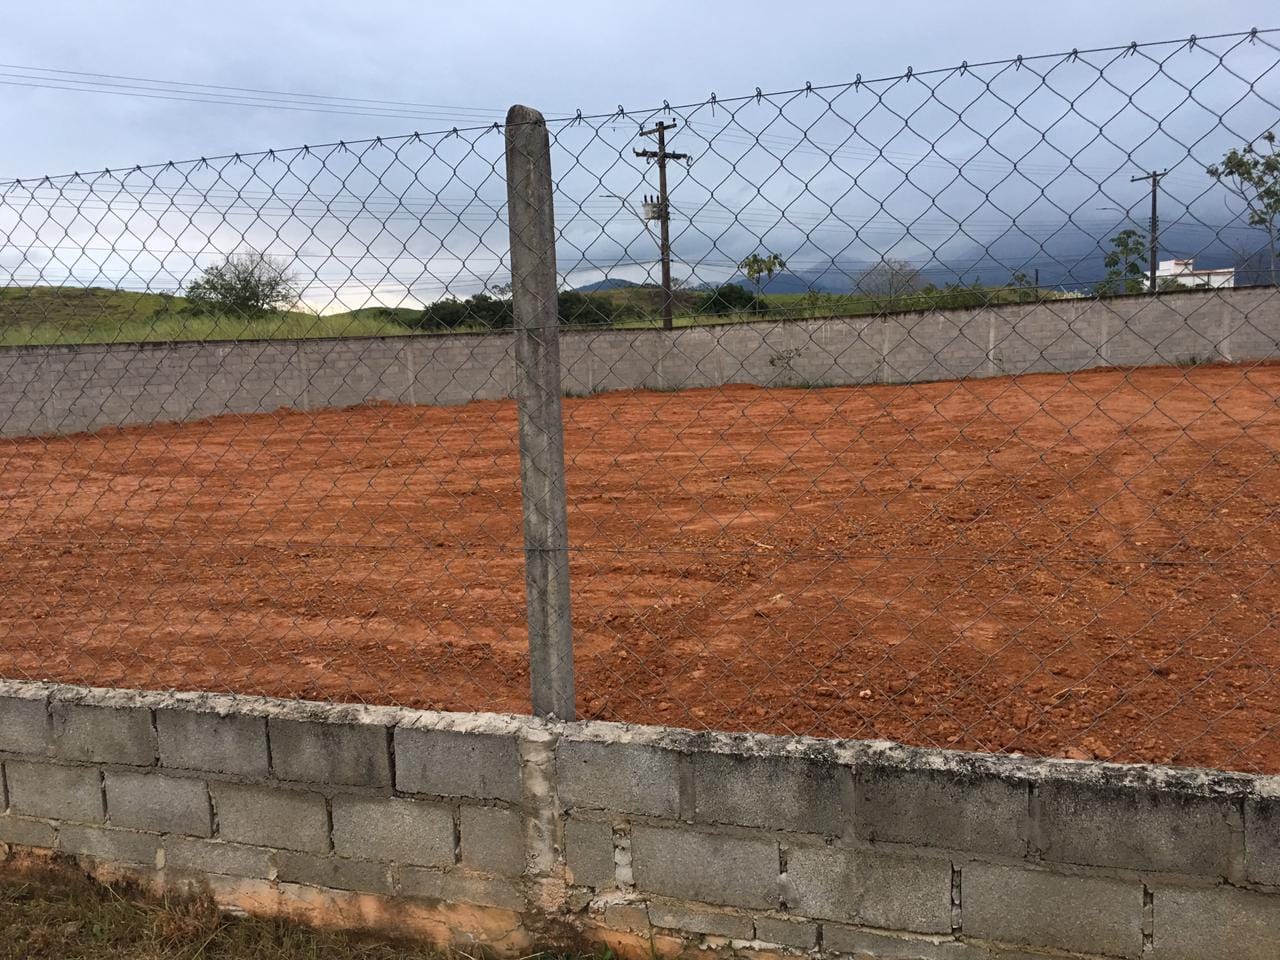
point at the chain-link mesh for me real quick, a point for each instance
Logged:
(923, 455)
(352, 530)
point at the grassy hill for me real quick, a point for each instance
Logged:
(51, 315)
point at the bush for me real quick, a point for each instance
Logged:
(481, 310)
(732, 298)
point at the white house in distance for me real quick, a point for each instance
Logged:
(1185, 274)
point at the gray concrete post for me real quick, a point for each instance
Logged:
(537, 346)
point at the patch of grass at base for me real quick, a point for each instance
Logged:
(58, 912)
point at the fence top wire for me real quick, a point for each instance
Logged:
(1254, 35)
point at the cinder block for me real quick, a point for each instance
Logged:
(26, 832)
(624, 777)
(459, 886)
(861, 943)
(1262, 839)
(333, 753)
(104, 843)
(24, 726)
(269, 817)
(1218, 923)
(632, 917)
(940, 808)
(406, 831)
(216, 856)
(337, 873)
(677, 916)
(150, 801)
(1073, 913)
(895, 893)
(493, 840)
(707, 867)
(1136, 828)
(779, 793)
(103, 734)
(480, 766)
(192, 740)
(589, 853)
(56, 792)
(787, 933)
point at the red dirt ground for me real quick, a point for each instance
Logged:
(1080, 566)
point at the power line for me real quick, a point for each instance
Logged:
(257, 90)
(262, 104)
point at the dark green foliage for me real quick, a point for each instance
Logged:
(732, 298)
(1125, 263)
(484, 311)
(582, 309)
(479, 312)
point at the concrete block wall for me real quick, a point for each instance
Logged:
(66, 389)
(513, 832)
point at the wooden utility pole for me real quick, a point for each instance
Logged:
(664, 208)
(1154, 177)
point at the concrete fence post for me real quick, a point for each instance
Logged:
(537, 347)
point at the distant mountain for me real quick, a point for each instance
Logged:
(608, 283)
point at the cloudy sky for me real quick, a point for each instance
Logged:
(79, 95)
(483, 55)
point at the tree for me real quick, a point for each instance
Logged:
(889, 279)
(1253, 174)
(732, 298)
(245, 284)
(756, 266)
(1125, 263)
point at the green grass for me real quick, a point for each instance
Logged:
(49, 315)
(31, 316)
(57, 912)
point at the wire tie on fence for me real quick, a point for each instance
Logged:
(712, 101)
(666, 106)
(808, 86)
(1253, 34)
(454, 132)
(1191, 42)
(759, 94)
(1017, 62)
(908, 74)
(857, 80)
(964, 66)
(1133, 48)
(1075, 54)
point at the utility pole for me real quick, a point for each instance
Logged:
(1154, 177)
(663, 208)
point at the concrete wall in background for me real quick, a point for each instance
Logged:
(512, 833)
(66, 389)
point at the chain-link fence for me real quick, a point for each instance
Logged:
(939, 407)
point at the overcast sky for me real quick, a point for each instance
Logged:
(558, 55)
(408, 223)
